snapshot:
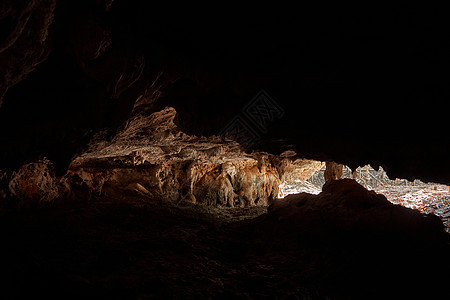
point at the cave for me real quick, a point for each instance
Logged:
(153, 150)
(427, 197)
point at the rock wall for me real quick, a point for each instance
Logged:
(151, 152)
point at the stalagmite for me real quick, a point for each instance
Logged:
(333, 171)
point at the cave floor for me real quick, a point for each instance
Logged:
(427, 198)
(130, 247)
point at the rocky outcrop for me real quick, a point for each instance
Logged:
(151, 151)
(34, 183)
(333, 171)
(291, 168)
(238, 184)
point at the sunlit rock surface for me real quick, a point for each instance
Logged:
(291, 168)
(299, 186)
(427, 198)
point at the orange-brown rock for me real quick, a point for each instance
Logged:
(293, 168)
(34, 183)
(152, 152)
(333, 171)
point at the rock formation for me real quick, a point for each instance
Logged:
(333, 171)
(151, 151)
(34, 183)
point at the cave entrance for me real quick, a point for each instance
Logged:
(429, 198)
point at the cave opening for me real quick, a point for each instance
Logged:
(427, 197)
(152, 151)
(187, 200)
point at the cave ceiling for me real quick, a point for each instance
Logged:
(349, 85)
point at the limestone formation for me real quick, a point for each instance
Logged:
(151, 151)
(333, 171)
(291, 169)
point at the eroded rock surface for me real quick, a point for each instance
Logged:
(171, 165)
(34, 183)
(292, 168)
(333, 171)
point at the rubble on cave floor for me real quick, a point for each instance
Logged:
(427, 198)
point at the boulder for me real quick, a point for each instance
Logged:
(34, 183)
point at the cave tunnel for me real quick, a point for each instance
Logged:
(153, 150)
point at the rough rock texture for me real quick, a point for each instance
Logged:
(333, 171)
(291, 168)
(152, 152)
(34, 183)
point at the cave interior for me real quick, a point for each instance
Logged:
(161, 150)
